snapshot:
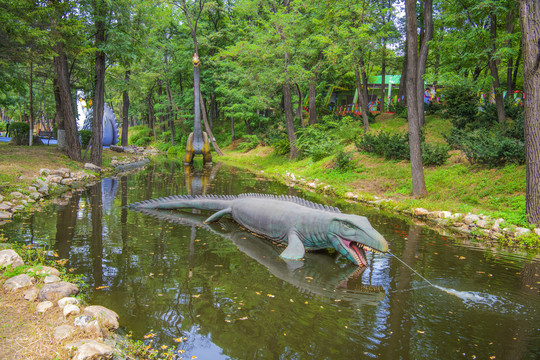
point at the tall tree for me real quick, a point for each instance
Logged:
(530, 29)
(415, 72)
(100, 9)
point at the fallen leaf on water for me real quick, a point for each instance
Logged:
(148, 336)
(270, 295)
(164, 347)
(420, 331)
(243, 318)
(101, 287)
(178, 340)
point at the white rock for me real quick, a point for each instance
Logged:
(40, 270)
(521, 231)
(10, 257)
(71, 309)
(67, 181)
(497, 224)
(420, 212)
(5, 215)
(44, 171)
(470, 219)
(92, 167)
(5, 207)
(351, 195)
(54, 179)
(91, 349)
(18, 282)
(51, 279)
(16, 195)
(32, 189)
(537, 231)
(106, 317)
(444, 214)
(63, 331)
(482, 224)
(31, 294)
(44, 306)
(68, 301)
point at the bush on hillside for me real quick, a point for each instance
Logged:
(462, 103)
(85, 136)
(249, 142)
(316, 142)
(343, 160)
(395, 146)
(490, 148)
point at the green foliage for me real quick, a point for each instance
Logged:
(343, 160)
(434, 154)
(176, 150)
(85, 136)
(282, 147)
(249, 142)
(395, 146)
(316, 142)
(19, 131)
(461, 102)
(140, 135)
(392, 146)
(163, 146)
(486, 147)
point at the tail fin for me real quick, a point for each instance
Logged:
(201, 202)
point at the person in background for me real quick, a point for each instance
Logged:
(427, 96)
(7, 128)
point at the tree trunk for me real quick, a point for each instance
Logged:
(73, 148)
(493, 67)
(530, 37)
(313, 100)
(151, 117)
(422, 58)
(125, 111)
(361, 98)
(289, 119)
(383, 77)
(207, 127)
(402, 93)
(417, 171)
(299, 111)
(161, 114)
(516, 67)
(31, 105)
(99, 94)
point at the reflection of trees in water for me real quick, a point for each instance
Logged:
(399, 320)
(66, 222)
(96, 239)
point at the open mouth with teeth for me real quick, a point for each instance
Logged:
(356, 250)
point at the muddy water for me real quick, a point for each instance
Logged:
(218, 292)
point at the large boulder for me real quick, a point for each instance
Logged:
(91, 349)
(106, 317)
(18, 282)
(10, 257)
(57, 291)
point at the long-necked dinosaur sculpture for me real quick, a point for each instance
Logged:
(300, 224)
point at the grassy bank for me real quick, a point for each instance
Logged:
(19, 165)
(456, 186)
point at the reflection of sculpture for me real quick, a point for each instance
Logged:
(109, 187)
(198, 142)
(296, 222)
(319, 274)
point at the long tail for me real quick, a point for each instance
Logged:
(200, 202)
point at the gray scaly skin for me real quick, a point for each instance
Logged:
(300, 224)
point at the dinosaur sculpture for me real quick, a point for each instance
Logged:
(198, 141)
(300, 224)
(319, 274)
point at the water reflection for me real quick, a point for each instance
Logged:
(229, 295)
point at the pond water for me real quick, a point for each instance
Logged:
(218, 292)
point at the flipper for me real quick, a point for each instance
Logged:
(218, 215)
(295, 249)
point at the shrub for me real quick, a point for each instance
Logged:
(85, 136)
(143, 141)
(249, 142)
(316, 142)
(489, 148)
(19, 131)
(434, 154)
(461, 101)
(138, 132)
(343, 160)
(163, 146)
(176, 150)
(282, 147)
(395, 146)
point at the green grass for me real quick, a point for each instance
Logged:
(456, 186)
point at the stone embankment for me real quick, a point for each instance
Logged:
(466, 224)
(85, 331)
(59, 181)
